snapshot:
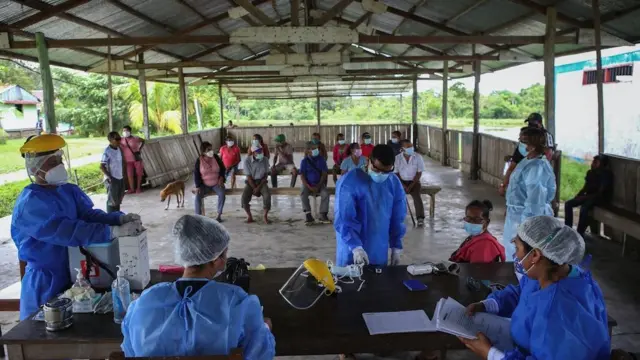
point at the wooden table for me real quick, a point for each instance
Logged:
(334, 325)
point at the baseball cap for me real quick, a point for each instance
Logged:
(534, 117)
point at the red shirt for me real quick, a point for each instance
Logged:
(340, 153)
(230, 155)
(367, 149)
(483, 248)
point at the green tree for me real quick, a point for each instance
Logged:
(13, 74)
(163, 102)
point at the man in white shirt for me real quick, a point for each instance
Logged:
(409, 167)
(113, 168)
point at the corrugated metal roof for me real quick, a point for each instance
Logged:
(172, 16)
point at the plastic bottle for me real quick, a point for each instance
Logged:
(81, 293)
(121, 294)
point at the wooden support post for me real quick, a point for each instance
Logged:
(318, 106)
(549, 72)
(47, 84)
(445, 113)
(109, 89)
(475, 150)
(222, 134)
(142, 84)
(414, 111)
(595, 5)
(183, 102)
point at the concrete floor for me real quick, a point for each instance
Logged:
(287, 242)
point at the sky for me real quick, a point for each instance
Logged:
(518, 77)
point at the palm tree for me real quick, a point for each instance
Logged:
(163, 101)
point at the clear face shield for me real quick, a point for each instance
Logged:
(308, 284)
(50, 168)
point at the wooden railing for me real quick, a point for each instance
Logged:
(299, 135)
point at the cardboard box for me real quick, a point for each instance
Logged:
(134, 258)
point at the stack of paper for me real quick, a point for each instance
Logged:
(398, 322)
(450, 317)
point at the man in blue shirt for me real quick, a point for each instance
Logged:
(313, 171)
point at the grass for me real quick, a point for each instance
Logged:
(572, 175)
(88, 175)
(78, 147)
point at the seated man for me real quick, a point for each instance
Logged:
(179, 318)
(366, 145)
(597, 190)
(409, 167)
(313, 172)
(480, 246)
(256, 168)
(283, 159)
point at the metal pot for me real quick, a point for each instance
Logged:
(58, 314)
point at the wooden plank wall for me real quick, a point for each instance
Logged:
(492, 154)
(466, 146)
(298, 136)
(430, 141)
(453, 148)
(626, 180)
(213, 136)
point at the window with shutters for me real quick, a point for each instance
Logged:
(611, 74)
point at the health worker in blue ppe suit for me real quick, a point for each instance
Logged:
(557, 310)
(370, 209)
(532, 186)
(51, 215)
(196, 315)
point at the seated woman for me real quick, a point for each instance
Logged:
(480, 246)
(557, 311)
(197, 316)
(209, 176)
(340, 152)
(353, 160)
(258, 141)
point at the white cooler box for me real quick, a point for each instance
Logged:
(131, 252)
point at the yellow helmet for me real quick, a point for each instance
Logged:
(42, 144)
(321, 272)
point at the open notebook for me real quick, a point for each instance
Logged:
(450, 317)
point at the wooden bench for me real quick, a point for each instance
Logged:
(430, 190)
(624, 222)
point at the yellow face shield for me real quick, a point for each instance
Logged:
(308, 284)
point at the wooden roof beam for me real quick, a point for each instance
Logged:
(295, 12)
(543, 10)
(616, 14)
(331, 13)
(464, 11)
(46, 14)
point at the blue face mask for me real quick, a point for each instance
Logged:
(341, 142)
(315, 141)
(315, 152)
(378, 177)
(394, 140)
(367, 141)
(259, 156)
(409, 151)
(472, 229)
(255, 142)
(523, 149)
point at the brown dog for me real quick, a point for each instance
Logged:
(174, 188)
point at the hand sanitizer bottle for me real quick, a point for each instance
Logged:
(121, 294)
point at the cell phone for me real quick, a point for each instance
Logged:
(414, 285)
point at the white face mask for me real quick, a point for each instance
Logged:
(209, 153)
(229, 143)
(126, 133)
(57, 175)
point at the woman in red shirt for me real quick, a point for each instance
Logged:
(230, 154)
(340, 152)
(366, 146)
(480, 246)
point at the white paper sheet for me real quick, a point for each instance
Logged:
(450, 317)
(398, 322)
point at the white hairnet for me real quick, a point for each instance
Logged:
(199, 240)
(33, 163)
(557, 242)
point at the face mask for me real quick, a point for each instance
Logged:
(472, 229)
(522, 148)
(357, 152)
(367, 141)
(57, 175)
(315, 152)
(255, 142)
(378, 177)
(519, 264)
(394, 140)
(230, 143)
(409, 151)
(341, 142)
(315, 141)
(209, 153)
(126, 133)
(259, 156)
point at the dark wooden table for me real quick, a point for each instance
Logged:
(334, 325)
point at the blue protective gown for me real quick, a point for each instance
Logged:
(212, 321)
(532, 188)
(47, 220)
(370, 215)
(566, 320)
